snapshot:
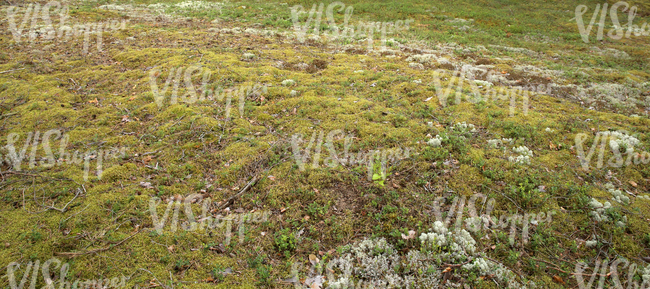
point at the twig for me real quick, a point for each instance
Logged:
(62, 210)
(549, 263)
(35, 175)
(248, 186)
(149, 153)
(154, 276)
(75, 254)
(8, 114)
(6, 71)
(68, 218)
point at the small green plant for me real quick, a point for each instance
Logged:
(182, 265)
(218, 273)
(285, 242)
(264, 274)
(316, 210)
(379, 175)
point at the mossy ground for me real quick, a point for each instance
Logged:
(104, 100)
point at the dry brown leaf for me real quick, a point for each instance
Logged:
(557, 279)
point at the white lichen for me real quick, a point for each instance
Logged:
(618, 196)
(288, 82)
(435, 142)
(524, 155)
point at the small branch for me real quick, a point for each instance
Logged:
(75, 254)
(6, 71)
(62, 210)
(68, 218)
(8, 114)
(553, 265)
(248, 186)
(154, 276)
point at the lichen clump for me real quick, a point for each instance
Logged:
(374, 262)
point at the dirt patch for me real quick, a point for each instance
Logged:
(484, 61)
(315, 66)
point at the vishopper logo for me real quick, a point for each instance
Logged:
(474, 94)
(476, 223)
(617, 140)
(48, 279)
(176, 77)
(383, 157)
(206, 221)
(348, 31)
(14, 158)
(47, 31)
(617, 32)
(613, 274)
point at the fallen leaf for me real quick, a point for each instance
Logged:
(313, 259)
(146, 185)
(558, 279)
(633, 184)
